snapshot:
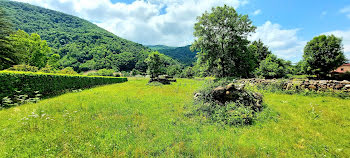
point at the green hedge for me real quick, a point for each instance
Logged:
(11, 82)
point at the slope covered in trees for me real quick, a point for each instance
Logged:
(81, 44)
(182, 54)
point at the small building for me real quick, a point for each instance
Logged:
(341, 71)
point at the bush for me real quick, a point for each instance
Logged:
(103, 72)
(30, 84)
(68, 71)
(125, 74)
(48, 69)
(23, 68)
(135, 72)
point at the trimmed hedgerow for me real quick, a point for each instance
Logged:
(12, 83)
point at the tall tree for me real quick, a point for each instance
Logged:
(155, 63)
(260, 50)
(222, 41)
(323, 54)
(7, 54)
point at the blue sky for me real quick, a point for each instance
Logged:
(311, 16)
(284, 26)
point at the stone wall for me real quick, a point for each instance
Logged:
(316, 85)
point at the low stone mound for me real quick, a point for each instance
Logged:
(230, 104)
(163, 80)
(237, 94)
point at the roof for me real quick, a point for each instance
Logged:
(342, 69)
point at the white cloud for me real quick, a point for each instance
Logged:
(345, 35)
(257, 12)
(143, 20)
(283, 42)
(346, 10)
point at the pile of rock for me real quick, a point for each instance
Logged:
(162, 79)
(315, 85)
(236, 93)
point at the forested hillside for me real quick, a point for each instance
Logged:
(182, 54)
(81, 44)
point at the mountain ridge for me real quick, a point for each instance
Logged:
(81, 44)
(183, 54)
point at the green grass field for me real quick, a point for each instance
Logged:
(133, 119)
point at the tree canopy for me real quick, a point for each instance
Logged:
(33, 50)
(222, 42)
(323, 54)
(156, 64)
(7, 54)
(273, 67)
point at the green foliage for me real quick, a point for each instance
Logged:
(279, 87)
(8, 56)
(174, 70)
(68, 71)
(135, 120)
(49, 69)
(188, 73)
(232, 114)
(156, 64)
(183, 54)
(237, 112)
(222, 42)
(34, 51)
(135, 72)
(260, 50)
(81, 44)
(125, 74)
(103, 72)
(53, 60)
(273, 67)
(47, 84)
(23, 68)
(323, 54)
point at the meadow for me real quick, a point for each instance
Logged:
(138, 120)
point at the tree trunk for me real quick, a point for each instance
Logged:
(222, 60)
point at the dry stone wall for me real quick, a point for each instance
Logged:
(315, 85)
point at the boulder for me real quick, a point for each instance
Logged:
(339, 86)
(219, 93)
(230, 86)
(196, 96)
(312, 87)
(347, 87)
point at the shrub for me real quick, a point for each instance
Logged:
(125, 74)
(23, 68)
(135, 72)
(47, 84)
(68, 71)
(103, 72)
(48, 69)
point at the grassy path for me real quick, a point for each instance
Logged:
(132, 119)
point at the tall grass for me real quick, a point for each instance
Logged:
(133, 119)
